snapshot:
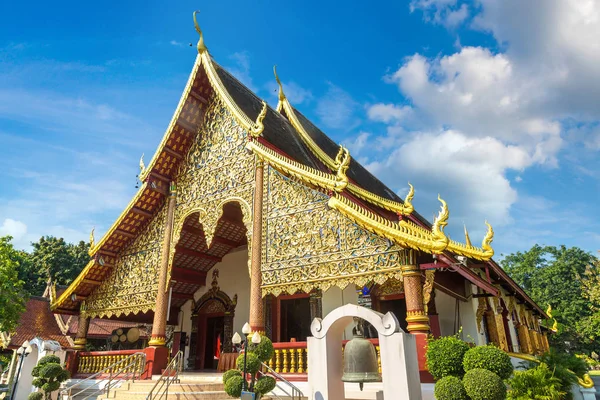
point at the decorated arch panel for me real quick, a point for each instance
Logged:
(307, 245)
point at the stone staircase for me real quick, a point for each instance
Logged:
(181, 391)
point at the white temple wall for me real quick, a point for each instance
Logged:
(468, 318)
(446, 308)
(335, 297)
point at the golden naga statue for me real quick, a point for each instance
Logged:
(439, 237)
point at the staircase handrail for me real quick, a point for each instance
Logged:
(137, 360)
(294, 389)
(167, 377)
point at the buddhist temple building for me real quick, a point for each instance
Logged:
(248, 213)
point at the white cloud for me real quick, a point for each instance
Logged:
(388, 112)
(295, 93)
(337, 109)
(176, 43)
(241, 69)
(16, 229)
(444, 12)
(358, 144)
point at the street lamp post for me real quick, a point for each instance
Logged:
(237, 340)
(23, 352)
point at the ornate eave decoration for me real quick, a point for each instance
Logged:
(399, 208)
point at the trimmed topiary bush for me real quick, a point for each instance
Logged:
(264, 350)
(445, 357)
(481, 384)
(450, 388)
(252, 363)
(230, 373)
(49, 374)
(35, 396)
(490, 358)
(233, 386)
(264, 385)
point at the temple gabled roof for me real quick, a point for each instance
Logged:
(37, 321)
(291, 143)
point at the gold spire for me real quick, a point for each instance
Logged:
(258, 125)
(281, 94)
(467, 238)
(201, 47)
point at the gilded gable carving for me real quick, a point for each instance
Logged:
(216, 170)
(307, 245)
(132, 285)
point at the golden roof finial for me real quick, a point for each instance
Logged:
(201, 47)
(342, 161)
(408, 206)
(142, 165)
(92, 240)
(438, 227)
(549, 311)
(281, 94)
(467, 238)
(258, 124)
(488, 239)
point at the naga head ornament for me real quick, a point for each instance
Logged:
(342, 161)
(142, 165)
(408, 206)
(201, 46)
(488, 239)
(258, 127)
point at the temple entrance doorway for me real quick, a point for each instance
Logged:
(397, 307)
(208, 245)
(295, 319)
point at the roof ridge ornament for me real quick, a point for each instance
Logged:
(408, 205)
(281, 94)
(201, 46)
(342, 162)
(486, 244)
(467, 238)
(258, 127)
(92, 240)
(440, 222)
(142, 165)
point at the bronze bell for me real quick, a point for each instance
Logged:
(360, 361)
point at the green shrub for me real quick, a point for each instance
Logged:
(233, 386)
(490, 358)
(445, 357)
(35, 396)
(566, 367)
(264, 385)
(537, 383)
(450, 388)
(264, 350)
(482, 384)
(230, 373)
(252, 363)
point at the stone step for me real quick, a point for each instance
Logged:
(146, 386)
(206, 395)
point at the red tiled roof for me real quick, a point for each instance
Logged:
(37, 321)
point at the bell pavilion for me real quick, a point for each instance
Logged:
(252, 214)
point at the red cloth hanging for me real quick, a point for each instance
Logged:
(218, 349)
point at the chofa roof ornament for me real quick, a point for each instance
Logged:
(201, 46)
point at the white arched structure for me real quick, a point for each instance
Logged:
(399, 368)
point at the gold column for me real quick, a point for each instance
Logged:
(82, 330)
(257, 316)
(159, 323)
(524, 339)
(418, 321)
(499, 320)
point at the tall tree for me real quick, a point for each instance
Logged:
(552, 275)
(12, 295)
(53, 258)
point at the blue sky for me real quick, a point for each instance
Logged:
(493, 104)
